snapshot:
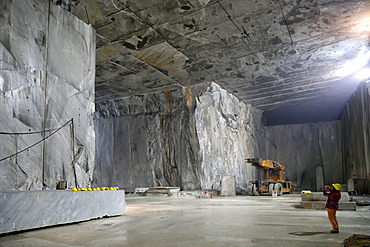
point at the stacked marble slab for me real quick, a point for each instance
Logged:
(23, 210)
(158, 191)
(316, 200)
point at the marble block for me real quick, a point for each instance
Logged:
(23, 210)
(228, 186)
(321, 205)
(169, 191)
(319, 196)
(316, 200)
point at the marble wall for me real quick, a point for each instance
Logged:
(47, 70)
(188, 138)
(194, 137)
(147, 140)
(312, 152)
(356, 136)
(327, 152)
(229, 132)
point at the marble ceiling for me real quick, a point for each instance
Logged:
(293, 59)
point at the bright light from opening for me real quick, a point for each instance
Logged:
(364, 26)
(363, 74)
(355, 65)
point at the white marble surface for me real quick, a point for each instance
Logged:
(319, 196)
(187, 138)
(316, 200)
(229, 132)
(306, 148)
(192, 140)
(47, 71)
(23, 210)
(356, 138)
(228, 186)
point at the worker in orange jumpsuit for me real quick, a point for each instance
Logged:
(332, 204)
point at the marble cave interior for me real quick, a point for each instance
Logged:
(180, 93)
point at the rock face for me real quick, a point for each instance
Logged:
(327, 152)
(47, 69)
(147, 141)
(229, 131)
(194, 137)
(312, 152)
(188, 138)
(356, 137)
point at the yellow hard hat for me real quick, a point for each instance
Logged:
(337, 186)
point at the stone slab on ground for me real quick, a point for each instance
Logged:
(140, 190)
(23, 210)
(316, 200)
(321, 205)
(318, 196)
(160, 191)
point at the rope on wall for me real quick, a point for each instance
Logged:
(70, 122)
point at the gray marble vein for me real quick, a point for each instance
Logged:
(22, 210)
(47, 71)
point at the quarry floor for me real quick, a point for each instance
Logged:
(189, 221)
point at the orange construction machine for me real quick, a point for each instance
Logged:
(273, 178)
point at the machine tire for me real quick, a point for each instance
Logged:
(279, 188)
(255, 192)
(271, 188)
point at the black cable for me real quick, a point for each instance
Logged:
(87, 16)
(286, 24)
(27, 133)
(242, 31)
(43, 139)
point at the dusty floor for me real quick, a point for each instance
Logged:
(217, 221)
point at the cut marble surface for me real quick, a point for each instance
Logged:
(187, 138)
(47, 71)
(303, 148)
(23, 210)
